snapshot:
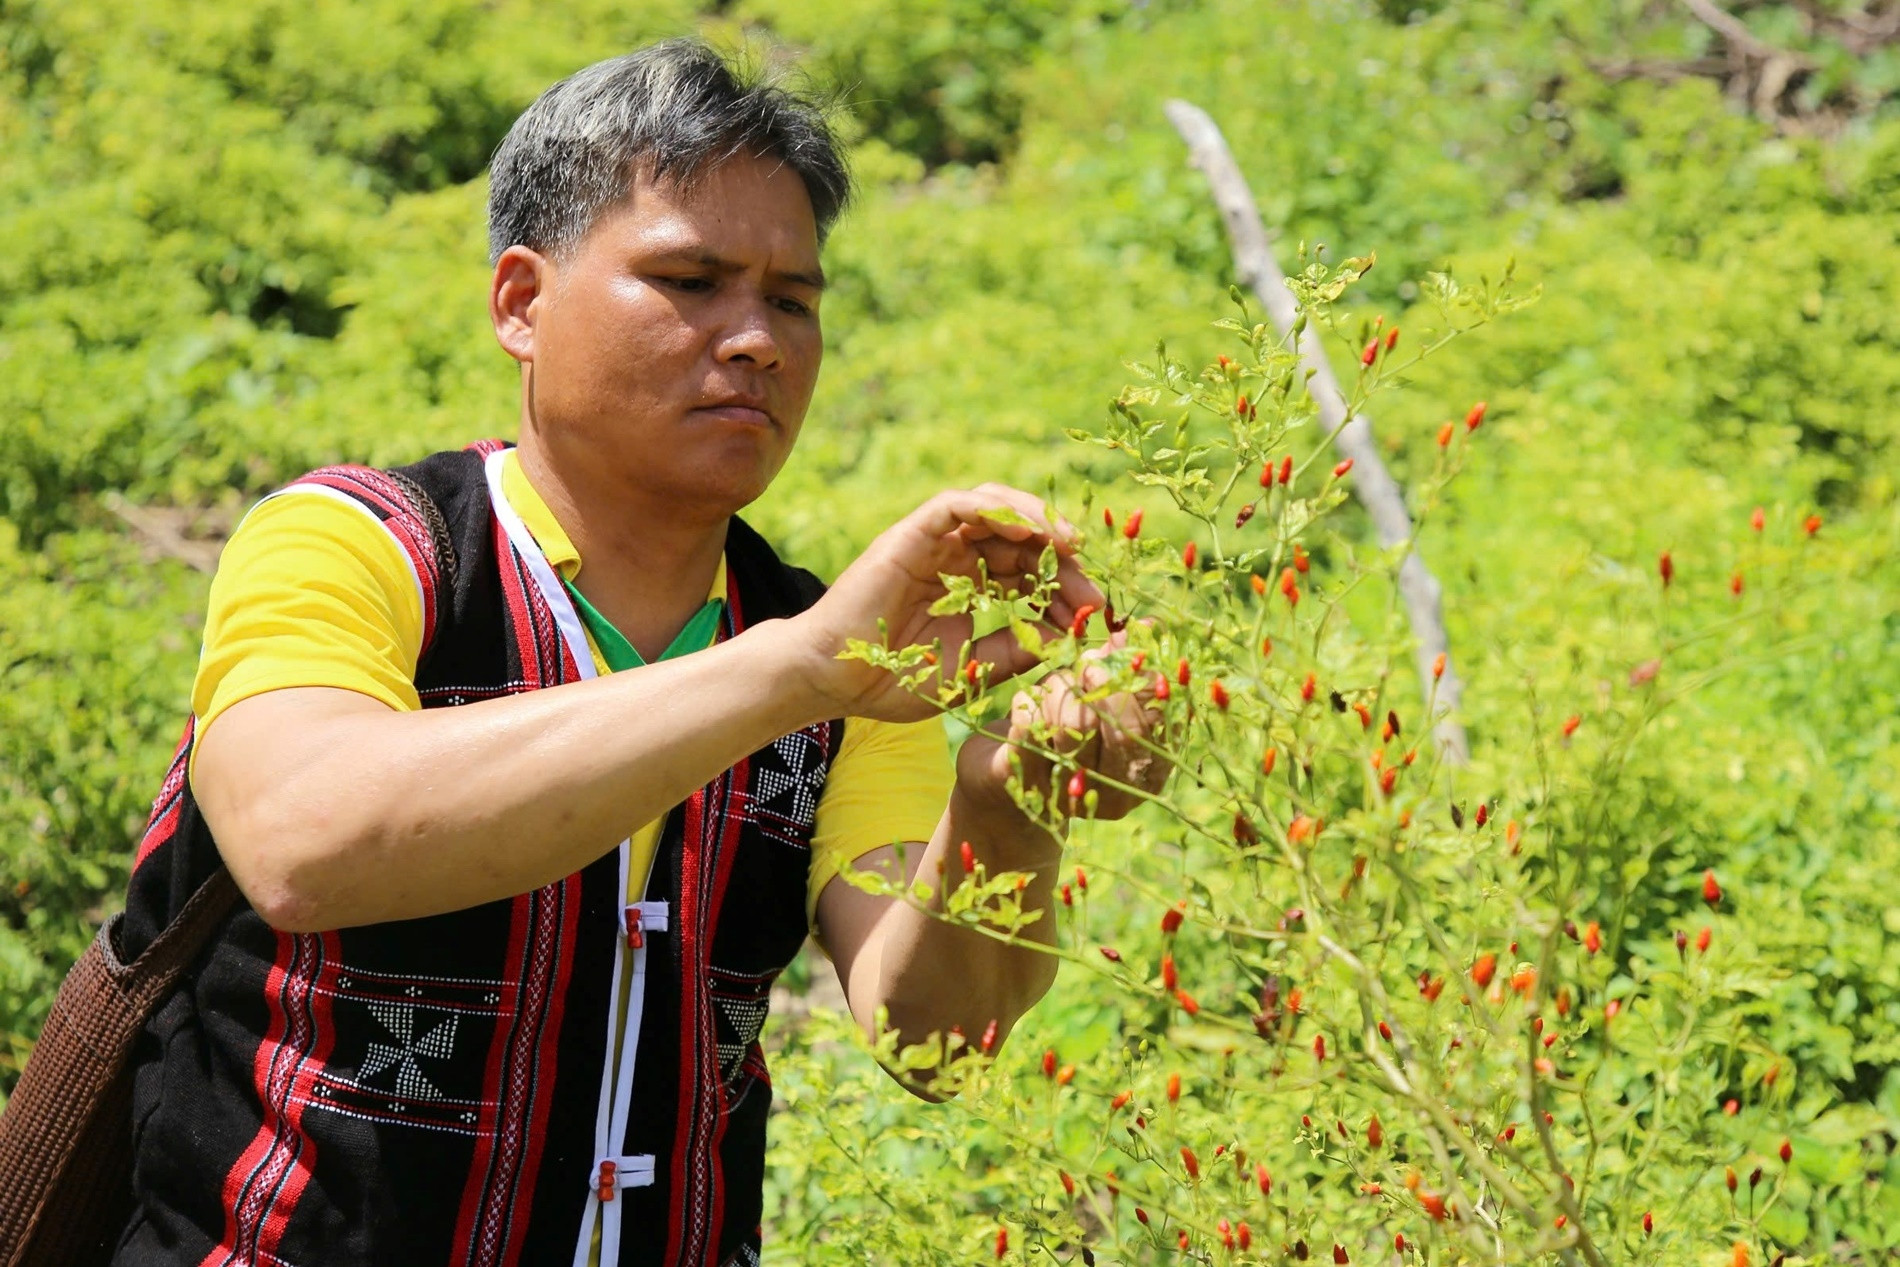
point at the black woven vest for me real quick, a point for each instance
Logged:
(435, 1090)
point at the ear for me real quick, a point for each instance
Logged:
(523, 279)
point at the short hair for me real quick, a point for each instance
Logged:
(671, 111)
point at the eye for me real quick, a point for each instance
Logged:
(794, 307)
(693, 285)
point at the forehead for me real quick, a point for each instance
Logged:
(744, 208)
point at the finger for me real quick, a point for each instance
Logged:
(1074, 587)
(1053, 525)
(965, 511)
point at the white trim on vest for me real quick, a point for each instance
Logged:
(616, 1092)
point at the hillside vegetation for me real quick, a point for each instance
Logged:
(246, 239)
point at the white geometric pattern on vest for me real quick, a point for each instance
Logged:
(803, 781)
(747, 1018)
(400, 1020)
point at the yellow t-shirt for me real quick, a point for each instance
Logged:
(311, 591)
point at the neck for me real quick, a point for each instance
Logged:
(646, 563)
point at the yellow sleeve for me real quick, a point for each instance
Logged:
(310, 591)
(891, 782)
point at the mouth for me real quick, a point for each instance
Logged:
(745, 410)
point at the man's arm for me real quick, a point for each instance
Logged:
(333, 810)
(931, 974)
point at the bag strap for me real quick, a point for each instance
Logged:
(76, 1077)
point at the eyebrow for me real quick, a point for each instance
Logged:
(814, 280)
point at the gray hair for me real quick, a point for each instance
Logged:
(670, 112)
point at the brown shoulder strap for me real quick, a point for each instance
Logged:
(66, 1131)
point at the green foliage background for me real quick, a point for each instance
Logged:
(246, 239)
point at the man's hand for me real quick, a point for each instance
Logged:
(1107, 737)
(898, 578)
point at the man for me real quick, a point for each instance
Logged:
(457, 1022)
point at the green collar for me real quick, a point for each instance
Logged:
(619, 653)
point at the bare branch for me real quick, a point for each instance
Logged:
(1373, 484)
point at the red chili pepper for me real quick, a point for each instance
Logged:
(1484, 969)
(1182, 673)
(1319, 1047)
(1002, 1241)
(1571, 723)
(1170, 979)
(1728, 1177)
(1365, 716)
(988, 1041)
(1475, 417)
(1309, 688)
(1758, 520)
(1385, 1031)
(1301, 562)
(1786, 1151)
(1340, 471)
(1108, 519)
(1161, 687)
(1702, 941)
(1649, 1223)
(1266, 474)
(1735, 585)
(1081, 621)
(1184, 1240)
(1068, 896)
(1132, 528)
(1174, 1087)
(968, 855)
(1141, 1216)
(1192, 1163)
(1171, 919)
(1078, 787)
(1049, 1063)
(1811, 525)
(1187, 1002)
(1290, 587)
(1432, 1204)
(1444, 435)
(1391, 338)
(1259, 584)
(1438, 666)
(1388, 779)
(1189, 553)
(1371, 353)
(1082, 879)
(1244, 1235)
(970, 672)
(1375, 1133)
(1592, 937)
(1268, 759)
(1246, 513)
(1218, 694)
(1302, 828)
(1610, 1010)
(1111, 954)
(1711, 891)
(1339, 1254)
(1665, 568)
(1398, 1242)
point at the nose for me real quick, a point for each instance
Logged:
(748, 338)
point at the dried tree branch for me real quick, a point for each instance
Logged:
(1372, 483)
(162, 536)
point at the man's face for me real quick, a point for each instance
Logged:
(675, 352)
